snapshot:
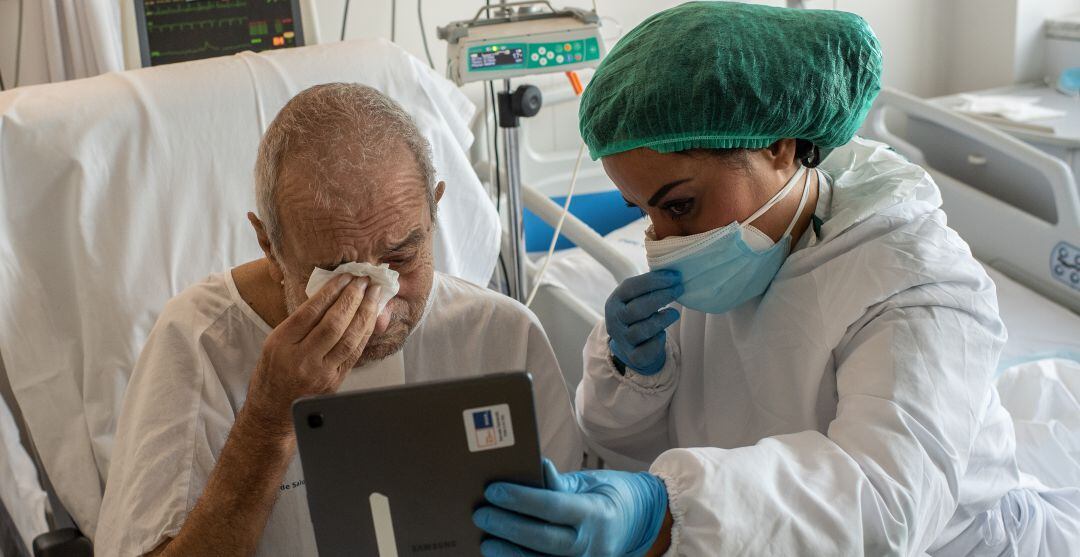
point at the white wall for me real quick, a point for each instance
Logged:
(991, 43)
(979, 43)
(1029, 62)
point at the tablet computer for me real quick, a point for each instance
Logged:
(399, 471)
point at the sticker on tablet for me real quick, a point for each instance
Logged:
(488, 427)
(384, 525)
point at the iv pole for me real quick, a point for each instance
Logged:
(523, 102)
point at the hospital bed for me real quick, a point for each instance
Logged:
(1016, 243)
(118, 191)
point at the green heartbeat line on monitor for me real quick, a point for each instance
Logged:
(206, 47)
(197, 8)
(212, 23)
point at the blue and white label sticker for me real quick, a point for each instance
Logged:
(1065, 264)
(488, 427)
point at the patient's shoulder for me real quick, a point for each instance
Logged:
(199, 304)
(204, 326)
(453, 297)
(172, 351)
(207, 314)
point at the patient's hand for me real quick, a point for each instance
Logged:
(312, 351)
(309, 353)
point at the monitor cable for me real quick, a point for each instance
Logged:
(344, 19)
(558, 227)
(423, 31)
(497, 179)
(393, 21)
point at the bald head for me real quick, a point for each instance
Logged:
(328, 140)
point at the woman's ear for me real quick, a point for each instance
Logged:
(781, 154)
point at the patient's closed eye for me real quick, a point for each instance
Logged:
(397, 259)
(330, 266)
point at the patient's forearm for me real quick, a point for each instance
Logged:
(231, 514)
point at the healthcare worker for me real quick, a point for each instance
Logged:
(808, 364)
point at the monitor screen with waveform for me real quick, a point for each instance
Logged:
(181, 30)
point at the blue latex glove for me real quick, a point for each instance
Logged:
(590, 513)
(635, 322)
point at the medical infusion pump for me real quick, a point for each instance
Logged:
(522, 44)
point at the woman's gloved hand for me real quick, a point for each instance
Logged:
(590, 513)
(636, 323)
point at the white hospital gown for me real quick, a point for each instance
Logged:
(850, 410)
(193, 374)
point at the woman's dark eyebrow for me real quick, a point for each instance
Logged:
(664, 189)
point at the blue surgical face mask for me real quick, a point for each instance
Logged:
(725, 267)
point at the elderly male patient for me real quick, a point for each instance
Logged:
(205, 458)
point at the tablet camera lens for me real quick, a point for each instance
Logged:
(314, 420)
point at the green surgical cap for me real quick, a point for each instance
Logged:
(720, 75)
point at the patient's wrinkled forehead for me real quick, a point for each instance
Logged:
(350, 209)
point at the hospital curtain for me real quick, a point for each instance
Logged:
(82, 38)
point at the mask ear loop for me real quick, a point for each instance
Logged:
(792, 182)
(802, 205)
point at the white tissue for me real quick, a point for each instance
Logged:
(381, 275)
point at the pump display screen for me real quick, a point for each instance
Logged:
(538, 56)
(496, 57)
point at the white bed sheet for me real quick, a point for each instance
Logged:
(1038, 328)
(1043, 398)
(586, 278)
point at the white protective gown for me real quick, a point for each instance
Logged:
(849, 410)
